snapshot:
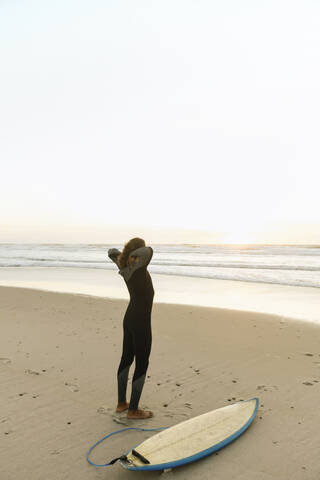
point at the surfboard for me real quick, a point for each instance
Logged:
(192, 439)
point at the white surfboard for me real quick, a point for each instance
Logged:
(192, 439)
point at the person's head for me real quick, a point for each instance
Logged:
(129, 247)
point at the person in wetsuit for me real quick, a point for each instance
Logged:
(137, 337)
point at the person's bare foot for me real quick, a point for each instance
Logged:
(121, 407)
(139, 414)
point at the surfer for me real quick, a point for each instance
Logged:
(132, 263)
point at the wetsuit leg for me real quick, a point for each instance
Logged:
(142, 347)
(126, 360)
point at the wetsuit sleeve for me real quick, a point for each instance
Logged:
(113, 254)
(142, 256)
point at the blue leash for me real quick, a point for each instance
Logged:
(114, 433)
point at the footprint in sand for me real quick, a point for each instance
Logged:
(72, 387)
(55, 452)
(119, 417)
(122, 420)
(5, 361)
(267, 388)
(104, 410)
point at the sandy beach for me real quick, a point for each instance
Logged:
(59, 355)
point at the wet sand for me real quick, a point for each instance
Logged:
(59, 355)
(288, 301)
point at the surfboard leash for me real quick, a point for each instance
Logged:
(123, 457)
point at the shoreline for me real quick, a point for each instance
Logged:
(288, 301)
(123, 302)
(59, 357)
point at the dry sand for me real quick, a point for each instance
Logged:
(59, 355)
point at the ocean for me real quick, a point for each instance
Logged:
(296, 265)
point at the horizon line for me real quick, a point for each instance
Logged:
(315, 245)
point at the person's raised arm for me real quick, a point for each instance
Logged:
(142, 257)
(138, 258)
(113, 254)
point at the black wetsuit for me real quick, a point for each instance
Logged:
(137, 336)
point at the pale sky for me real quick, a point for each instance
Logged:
(182, 121)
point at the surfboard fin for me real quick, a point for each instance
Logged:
(141, 457)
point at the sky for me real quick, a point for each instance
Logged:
(180, 121)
